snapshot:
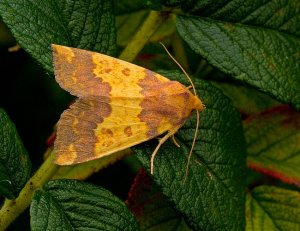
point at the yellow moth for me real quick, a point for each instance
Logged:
(119, 105)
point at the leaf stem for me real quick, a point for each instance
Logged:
(13, 208)
(151, 24)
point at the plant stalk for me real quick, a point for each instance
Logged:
(139, 40)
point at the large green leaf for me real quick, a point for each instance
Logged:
(84, 24)
(274, 14)
(246, 99)
(74, 205)
(212, 197)
(15, 165)
(280, 15)
(272, 209)
(273, 138)
(264, 58)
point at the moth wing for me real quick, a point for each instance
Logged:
(91, 129)
(85, 73)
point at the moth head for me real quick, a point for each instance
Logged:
(198, 105)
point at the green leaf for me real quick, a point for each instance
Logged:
(266, 59)
(279, 15)
(151, 208)
(247, 100)
(212, 197)
(273, 143)
(15, 165)
(272, 209)
(75, 205)
(37, 24)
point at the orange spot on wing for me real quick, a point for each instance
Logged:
(107, 131)
(108, 143)
(107, 70)
(128, 131)
(126, 71)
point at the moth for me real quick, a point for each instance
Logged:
(119, 105)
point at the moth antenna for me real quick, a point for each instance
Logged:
(197, 112)
(181, 68)
(193, 145)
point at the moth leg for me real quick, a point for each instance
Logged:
(175, 141)
(189, 87)
(161, 141)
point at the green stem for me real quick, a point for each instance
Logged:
(11, 209)
(151, 24)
